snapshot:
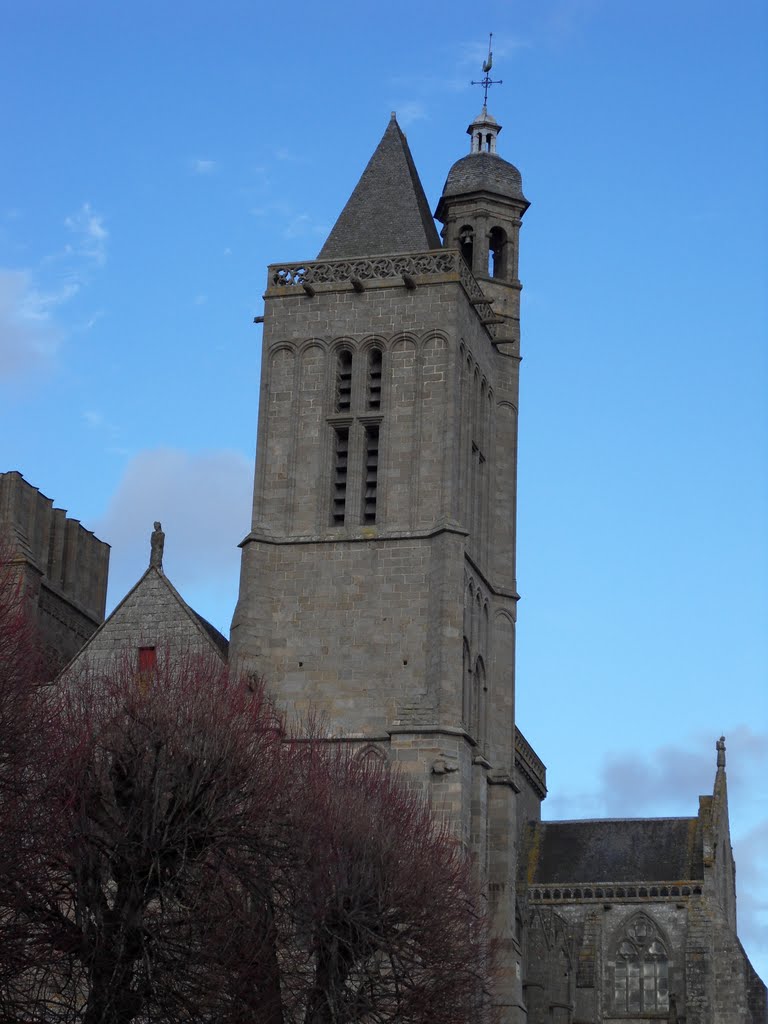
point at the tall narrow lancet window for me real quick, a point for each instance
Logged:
(497, 253)
(479, 705)
(466, 691)
(340, 465)
(374, 379)
(371, 473)
(344, 381)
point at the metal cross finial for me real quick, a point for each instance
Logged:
(487, 81)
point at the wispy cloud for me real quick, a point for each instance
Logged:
(90, 235)
(410, 111)
(199, 166)
(32, 300)
(302, 225)
(29, 336)
(93, 419)
(566, 17)
(473, 53)
(296, 224)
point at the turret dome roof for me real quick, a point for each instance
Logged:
(484, 172)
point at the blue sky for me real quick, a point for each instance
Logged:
(158, 156)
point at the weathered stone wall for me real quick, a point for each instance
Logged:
(400, 631)
(361, 631)
(710, 978)
(153, 614)
(64, 566)
(364, 621)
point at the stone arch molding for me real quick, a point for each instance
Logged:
(310, 343)
(432, 336)
(372, 752)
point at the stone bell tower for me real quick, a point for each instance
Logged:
(482, 206)
(378, 579)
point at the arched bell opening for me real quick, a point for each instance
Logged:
(467, 244)
(497, 253)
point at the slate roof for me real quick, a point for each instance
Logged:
(388, 211)
(484, 172)
(215, 636)
(614, 850)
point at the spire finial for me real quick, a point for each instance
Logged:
(720, 746)
(487, 81)
(156, 544)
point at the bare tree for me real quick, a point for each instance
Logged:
(182, 860)
(23, 750)
(389, 914)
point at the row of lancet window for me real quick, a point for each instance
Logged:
(340, 513)
(497, 250)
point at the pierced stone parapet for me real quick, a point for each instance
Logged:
(606, 892)
(402, 266)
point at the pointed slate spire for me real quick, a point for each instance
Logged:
(388, 211)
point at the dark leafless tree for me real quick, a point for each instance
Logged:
(181, 859)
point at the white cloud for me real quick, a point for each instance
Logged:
(90, 235)
(203, 166)
(29, 337)
(203, 501)
(410, 111)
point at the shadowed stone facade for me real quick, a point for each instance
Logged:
(636, 919)
(63, 567)
(378, 588)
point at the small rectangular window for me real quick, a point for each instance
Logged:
(340, 465)
(147, 659)
(371, 473)
(147, 668)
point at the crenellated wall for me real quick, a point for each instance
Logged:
(63, 565)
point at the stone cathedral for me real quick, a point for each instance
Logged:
(378, 588)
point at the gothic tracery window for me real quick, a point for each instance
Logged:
(641, 975)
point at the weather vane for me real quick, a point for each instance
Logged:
(487, 82)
